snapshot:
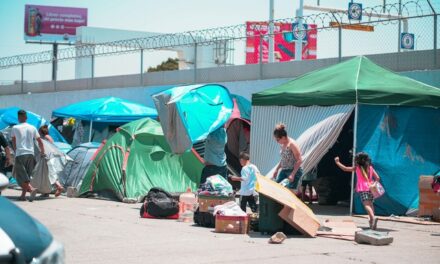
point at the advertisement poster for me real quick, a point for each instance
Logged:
(284, 39)
(52, 24)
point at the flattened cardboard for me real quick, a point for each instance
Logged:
(340, 229)
(300, 221)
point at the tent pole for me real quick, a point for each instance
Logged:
(90, 131)
(354, 154)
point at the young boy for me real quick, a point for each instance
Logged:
(248, 179)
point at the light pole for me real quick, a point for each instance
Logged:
(271, 29)
(298, 43)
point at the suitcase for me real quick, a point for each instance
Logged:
(373, 237)
(269, 221)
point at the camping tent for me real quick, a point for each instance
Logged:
(394, 121)
(105, 111)
(192, 112)
(138, 158)
(76, 168)
(238, 131)
(8, 117)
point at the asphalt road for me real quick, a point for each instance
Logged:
(98, 231)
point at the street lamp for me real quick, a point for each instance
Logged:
(271, 29)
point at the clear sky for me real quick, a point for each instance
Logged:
(148, 15)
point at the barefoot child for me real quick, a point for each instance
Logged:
(365, 174)
(248, 179)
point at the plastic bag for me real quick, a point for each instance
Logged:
(40, 177)
(229, 209)
(219, 185)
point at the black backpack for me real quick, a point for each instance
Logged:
(159, 203)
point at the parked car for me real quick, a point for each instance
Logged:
(24, 239)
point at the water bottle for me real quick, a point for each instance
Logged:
(187, 206)
(285, 182)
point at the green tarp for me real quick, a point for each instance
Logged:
(138, 158)
(344, 82)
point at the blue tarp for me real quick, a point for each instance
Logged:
(8, 117)
(403, 143)
(110, 110)
(189, 113)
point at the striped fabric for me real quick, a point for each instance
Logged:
(315, 128)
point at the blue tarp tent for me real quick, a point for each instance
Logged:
(189, 113)
(8, 117)
(107, 110)
(403, 143)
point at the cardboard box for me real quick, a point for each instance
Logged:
(207, 203)
(232, 224)
(428, 200)
(436, 214)
(300, 221)
(425, 182)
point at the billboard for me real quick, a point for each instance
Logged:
(52, 23)
(284, 40)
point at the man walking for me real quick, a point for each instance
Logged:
(23, 136)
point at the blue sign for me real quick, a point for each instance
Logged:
(354, 11)
(407, 41)
(298, 33)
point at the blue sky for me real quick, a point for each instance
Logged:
(148, 15)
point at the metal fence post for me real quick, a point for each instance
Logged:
(93, 71)
(435, 16)
(260, 57)
(54, 62)
(340, 43)
(142, 67)
(195, 62)
(400, 26)
(22, 78)
(339, 37)
(435, 39)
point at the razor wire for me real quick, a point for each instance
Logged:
(380, 14)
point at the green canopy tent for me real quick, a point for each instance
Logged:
(394, 121)
(138, 158)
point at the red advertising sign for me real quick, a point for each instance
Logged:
(52, 23)
(284, 49)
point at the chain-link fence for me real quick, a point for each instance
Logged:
(322, 35)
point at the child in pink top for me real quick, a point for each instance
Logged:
(364, 175)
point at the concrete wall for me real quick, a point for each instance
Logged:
(431, 77)
(244, 80)
(45, 103)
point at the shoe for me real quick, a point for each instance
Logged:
(33, 194)
(44, 195)
(374, 226)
